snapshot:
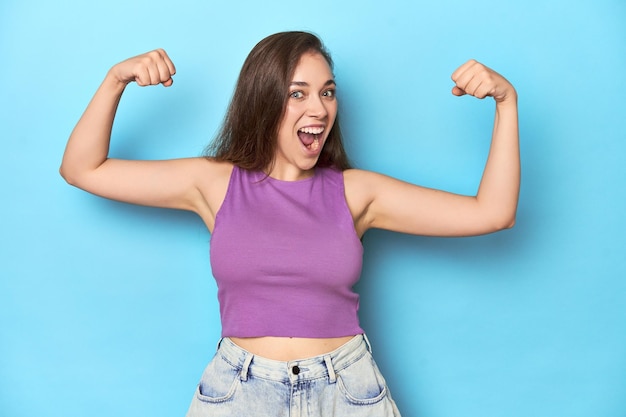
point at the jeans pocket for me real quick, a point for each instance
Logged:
(219, 381)
(362, 383)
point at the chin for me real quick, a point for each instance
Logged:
(308, 167)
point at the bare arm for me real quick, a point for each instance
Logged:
(378, 201)
(192, 184)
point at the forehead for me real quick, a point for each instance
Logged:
(312, 66)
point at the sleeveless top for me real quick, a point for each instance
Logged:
(285, 256)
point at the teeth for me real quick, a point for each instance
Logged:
(312, 130)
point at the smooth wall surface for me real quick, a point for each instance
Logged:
(107, 309)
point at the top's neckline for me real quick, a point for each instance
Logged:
(264, 177)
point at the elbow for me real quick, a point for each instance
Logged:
(68, 176)
(77, 175)
(65, 175)
(499, 217)
(62, 172)
(510, 224)
(506, 222)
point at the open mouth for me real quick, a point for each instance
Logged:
(310, 137)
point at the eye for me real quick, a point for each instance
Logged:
(329, 93)
(296, 94)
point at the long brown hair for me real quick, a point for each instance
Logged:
(248, 136)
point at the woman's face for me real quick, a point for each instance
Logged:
(309, 116)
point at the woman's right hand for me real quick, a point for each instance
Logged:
(152, 68)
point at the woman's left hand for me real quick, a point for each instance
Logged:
(477, 80)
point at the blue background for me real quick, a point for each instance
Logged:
(110, 309)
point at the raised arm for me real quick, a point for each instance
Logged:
(194, 184)
(378, 201)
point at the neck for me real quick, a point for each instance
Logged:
(289, 173)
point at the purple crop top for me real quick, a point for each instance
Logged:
(285, 256)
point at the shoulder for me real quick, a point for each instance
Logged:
(363, 185)
(211, 170)
(359, 180)
(207, 173)
(365, 190)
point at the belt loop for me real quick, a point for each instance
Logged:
(367, 341)
(245, 366)
(332, 377)
(219, 343)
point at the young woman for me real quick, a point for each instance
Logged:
(286, 214)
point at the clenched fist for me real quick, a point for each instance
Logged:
(477, 80)
(151, 68)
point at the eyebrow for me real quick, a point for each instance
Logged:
(305, 84)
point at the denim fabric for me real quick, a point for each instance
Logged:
(345, 382)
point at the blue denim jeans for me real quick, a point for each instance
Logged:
(345, 382)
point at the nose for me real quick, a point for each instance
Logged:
(317, 107)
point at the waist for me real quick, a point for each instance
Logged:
(289, 348)
(300, 369)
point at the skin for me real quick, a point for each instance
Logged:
(374, 200)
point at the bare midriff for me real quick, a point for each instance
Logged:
(289, 348)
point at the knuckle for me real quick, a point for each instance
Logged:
(146, 60)
(152, 56)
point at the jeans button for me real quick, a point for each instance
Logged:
(295, 370)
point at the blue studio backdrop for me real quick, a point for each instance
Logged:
(110, 309)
